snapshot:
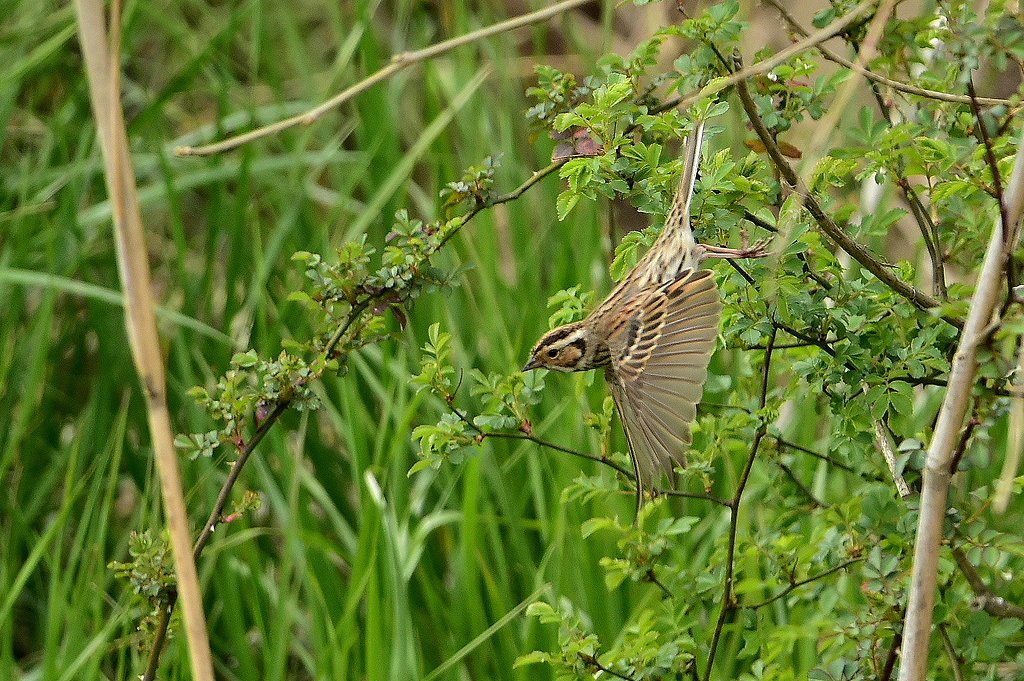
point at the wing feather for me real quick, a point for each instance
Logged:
(659, 366)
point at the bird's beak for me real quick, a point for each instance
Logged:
(532, 364)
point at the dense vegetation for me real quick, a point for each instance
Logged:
(346, 306)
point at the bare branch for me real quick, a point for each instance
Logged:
(729, 603)
(398, 62)
(918, 622)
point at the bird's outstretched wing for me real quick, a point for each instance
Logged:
(660, 350)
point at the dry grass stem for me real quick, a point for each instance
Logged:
(102, 66)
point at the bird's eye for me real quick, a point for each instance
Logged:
(553, 352)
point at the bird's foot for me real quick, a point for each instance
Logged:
(758, 250)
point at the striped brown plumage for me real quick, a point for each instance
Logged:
(654, 335)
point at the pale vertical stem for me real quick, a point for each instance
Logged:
(918, 623)
(102, 67)
(1014, 440)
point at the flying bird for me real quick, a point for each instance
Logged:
(653, 336)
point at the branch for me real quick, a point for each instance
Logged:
(811, 452)
(804, 489)
(101, 51)
(591, 661)
(986, 599)
(552, 445)
(954, 659)
(582, 455)
(878, 78)
(729, 603)
(796, 585)
(690, 495)
(927, 227)
(935, 492)
(890, 659)
(653, 579)
(868, 260)
(398, 62)
(536, 177)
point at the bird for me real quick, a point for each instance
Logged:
(654, 336)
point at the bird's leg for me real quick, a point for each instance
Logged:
(758, 250)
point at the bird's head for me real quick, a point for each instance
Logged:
(567, 348)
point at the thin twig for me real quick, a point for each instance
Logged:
(954, 659)
(917, 629)
(592, 661)
(558, 448)
(692, 495)
(398, 62)
(767, 226)
(101, 52)
(729, 603)
(878, 78)
(985, 598)
(797, 584)
(929, 231)
(890, 659)
(815, 502)
(965, 437)
(990, 158)
(1009, 236)
(529, 437)
(824, 457)
(653, 579)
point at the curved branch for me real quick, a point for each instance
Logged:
(803, 582)
(398, 62)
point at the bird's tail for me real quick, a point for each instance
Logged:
(677, 222)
